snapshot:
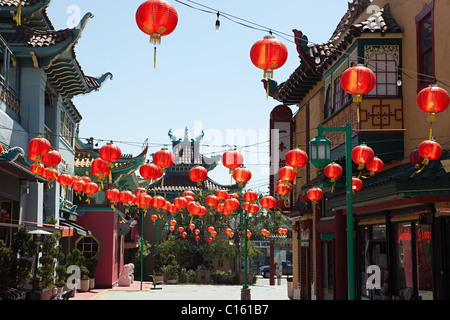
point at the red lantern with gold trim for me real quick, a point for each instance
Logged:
(52, 158)
(315, 194)
(90, 189)
(286, 174)
(231, 205)
(212, 201)
(433, 99)
(375, 166)
(156, 18)
(268, 202)
(356, 184)
(232, 159)
(415, 158)
(430, 150)
(180, 202)
(37, 148)
(198, 174)
(333, 171)
(250, 196)
(358, 80)
(222, 194)
(110, 153)
(362, 155)
(268, 54)
(242, 175)
(164, 159)
(150, 171)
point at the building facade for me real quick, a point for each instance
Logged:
(39, 76)
(400, 216)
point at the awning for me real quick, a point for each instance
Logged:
(18, 171)
(79, 229)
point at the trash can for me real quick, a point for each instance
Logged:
(290, 287)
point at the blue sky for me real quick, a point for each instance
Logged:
(203, 79)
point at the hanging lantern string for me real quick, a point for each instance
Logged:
(288, 37)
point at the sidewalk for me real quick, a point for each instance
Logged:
(260, 291)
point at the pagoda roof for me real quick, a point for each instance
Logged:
(39, 45)
(122, 172)
(316, 58)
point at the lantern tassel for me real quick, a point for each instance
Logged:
(154, 58)
(431, 130)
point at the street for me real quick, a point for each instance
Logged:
(260, 291)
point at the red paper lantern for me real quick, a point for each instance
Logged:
(144, 201)
(433, 99)
(90, 189)
(375, 166)
(296, 158)
(362, 155)
(50, 174)
(158, 202)
(253, 208)
(197, 232)
(213, 233)
(113, 195)
(220, 207)
(212, 201)
(198, 174)
(358, 80)
(150, 171)
(210, 229)
(171, 228)
(52, 158)
(315, 194)
(184, 234)
(202, 211)
(430, 150)
(154, 217)
(100, 169)
(222, 194)
(234, 195)
(333, 171)
(126, 196)
(242, 175)
(156, 18)
(191, 226)
(64, 180)
(37, 148)
(250, 196)
(232, 159)
(267, 202)
(78, 185)
(164, 159)
(231, 204)
(180, 202)
(193, 207)
(37, 169)
(356, 184)
(283, 189)
(110, 153)
(189, 199)
(172, 209)
(139, 190)
(264, 232)
(268, 54)
(286, 174)
(172, 222)
(415, 158)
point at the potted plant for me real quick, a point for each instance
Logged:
(46, 270)
(84, 282)
(171, 269)
(60, 284)
(91, 265)
(22, 268)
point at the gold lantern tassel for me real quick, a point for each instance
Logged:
(154, 58)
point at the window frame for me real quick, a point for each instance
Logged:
(423, 16)
(383, 62)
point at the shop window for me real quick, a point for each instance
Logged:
(413, 276)
(425, 46)
(386, 72)
(373, 251)
(67, 128)
(337, 94)
(88, 245)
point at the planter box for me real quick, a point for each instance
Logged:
(172, 281)
(91, 283)
(84, 285)
(203, 276)
(249, 278)
(46, 293)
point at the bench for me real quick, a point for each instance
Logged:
(65, 295)
(155, 283)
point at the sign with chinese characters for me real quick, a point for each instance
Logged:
(281, 136)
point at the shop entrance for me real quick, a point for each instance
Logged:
(327, 270)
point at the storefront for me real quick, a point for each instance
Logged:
(398, 243)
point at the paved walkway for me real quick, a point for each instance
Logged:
(262, 290)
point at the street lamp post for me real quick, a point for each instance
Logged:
(320, 153)
(245, 292)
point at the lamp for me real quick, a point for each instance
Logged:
(320, 151)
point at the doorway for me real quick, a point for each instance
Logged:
(327, 270)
